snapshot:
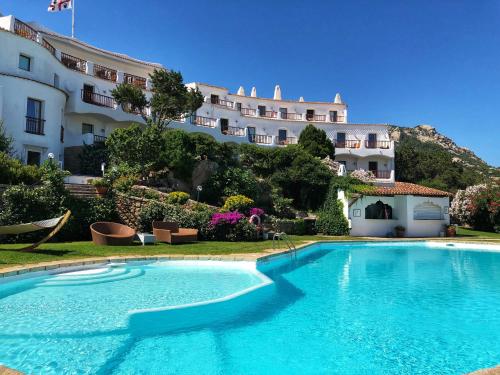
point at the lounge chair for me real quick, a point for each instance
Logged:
(111, 234)
(56, 223)
(169, 232)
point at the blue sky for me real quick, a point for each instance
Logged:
(399, 62)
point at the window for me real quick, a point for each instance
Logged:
(427, 211)
(34, 108)
(214, 99)
(24, 63)
(238, 106)
(224, 125)
(262, 110)
(333, 116)
(282, 136)
(34, 121)
(340, 142)
(310, 114)
(87, 129)
(284, 113)
(251, 134)
(343, 162)
(33, 157)
(61, 134)
(378, 210)
(56, 80)
(373, 167)
(372, 140)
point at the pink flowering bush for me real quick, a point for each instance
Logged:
(256, 211)
(232, 226)
(222, 218)
(362, 175)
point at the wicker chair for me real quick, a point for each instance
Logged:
(169, 232)
(111, 234)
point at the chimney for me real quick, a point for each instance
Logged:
(277, 92)
(253, 94)
(338, 99)
(241, 91)
(301, 99)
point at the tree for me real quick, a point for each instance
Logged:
(331, 219)
(170, 100)
(315, 141)
(6, 141)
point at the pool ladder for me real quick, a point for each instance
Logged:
(282, 236)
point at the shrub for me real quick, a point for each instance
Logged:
(256, 211)
(362, 175)
(6, 141)
(177, 197)
(124, 184)
(144, 192)
(233, 226)
(331, 219)
(12, 171)
(239, 203)
(316, 142)
(290, 226)
(282, 206)
(230, 181)
(92, 157)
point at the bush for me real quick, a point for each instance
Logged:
(144, 192)
(290, 226)
(282, 207)
(177, 197)
(124, 184)
(331, 219)
(316, 142)
(230, 181)
(92, 157)
(239, 203)
(13, 172)
(233, 226)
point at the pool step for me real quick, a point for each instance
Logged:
(123, 274)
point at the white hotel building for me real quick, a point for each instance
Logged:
(55, 96)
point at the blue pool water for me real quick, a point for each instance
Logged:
(358, 308)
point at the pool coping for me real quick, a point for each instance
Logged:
(262, 256)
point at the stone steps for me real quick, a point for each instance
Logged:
(81, 190)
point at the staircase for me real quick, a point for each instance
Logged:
(81, 190)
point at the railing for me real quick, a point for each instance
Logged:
(315, 117)
(384, 175)
(74, 63)
(104, 72)
(49, 47)
(222, 102)
(135, 80)
(235, 131)
(378, 144)
(338, 119)
(136, 111)
(99, 138)
(260, 138)
(286, 141)
(269, 114)
(291, 116)
(98, 99)
(204, 121)
(25, 30)
(347, 144)
(248, 112)
(35, 125)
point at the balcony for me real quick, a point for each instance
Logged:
(222, 103)
(378, 144)
(260, 138)
(268, 114)
(136, 111)
(383, 175)
(98, 99)
(310, 117)
(99, 139)
(105, 73)
(286, 141)
(35, 125)
(234, 131)
(207, 122)
(347, 144)
(73, 63)
(24, 30)
(291, 116)
(134, 80)
(248, 112)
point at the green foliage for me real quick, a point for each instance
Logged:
(331, 220)
(282, 207)
(177, 197)
(316, 142)
(242, 231)
(238, 203)
(144, 192)
(431, 165)
(91, 158)
(99, 182)
(130, 97)
(290, 226)
(6, 141)
(12, 171)
(177, 151)
(230, 181)
(124, 184)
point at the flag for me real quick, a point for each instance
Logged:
(58, 5)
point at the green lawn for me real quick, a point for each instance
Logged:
(465, 232)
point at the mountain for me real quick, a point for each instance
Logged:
(425, 156)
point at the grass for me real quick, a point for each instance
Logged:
(465, 232)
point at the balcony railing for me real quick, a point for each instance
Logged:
(207, 122)
(347, 144)
(74, 63)
(260, 138)
(286, 141)
(49, 47)
(136, 111)
(291, 116)
(104, 72)
(268, 114)
(378, 144)
(98, 99)
(25, 30)
(248, 112)
(222, 102)
(135, 80)
(383, 175)
(315, 117)
(235, 131)
(35, 125)
(99, 138)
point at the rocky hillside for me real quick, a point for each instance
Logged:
(462, 155)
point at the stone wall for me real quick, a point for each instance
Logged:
(129, 208)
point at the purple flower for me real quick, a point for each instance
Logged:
(231, 218)
(256, 211)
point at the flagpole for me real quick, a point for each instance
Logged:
(73, 19)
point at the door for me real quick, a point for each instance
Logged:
(262, 110)
(284, 112)
(224, 125)
(34, 122)
(340, 140)
(372, 140)
(251, 134)
(214, 99)
(282, 133)
(33, 157)
(373, 167)
(333, 116)
(310, 114)
(88, 91)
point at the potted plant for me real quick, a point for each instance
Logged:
(400, 231)
(451, 230)
(101, 186)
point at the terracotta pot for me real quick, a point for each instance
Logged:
(451, 231)
(101, 190)
(400, 232)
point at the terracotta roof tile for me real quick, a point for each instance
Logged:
(406, 188)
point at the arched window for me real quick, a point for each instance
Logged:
(378, 210)
(427, 211)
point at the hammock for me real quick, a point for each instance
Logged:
(56, 223)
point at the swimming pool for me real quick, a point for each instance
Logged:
(364, 308)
